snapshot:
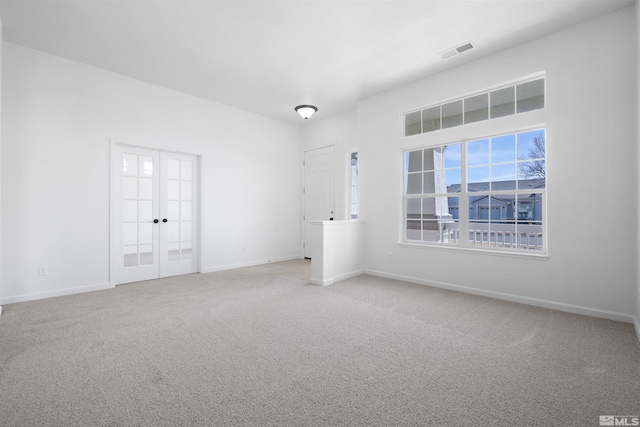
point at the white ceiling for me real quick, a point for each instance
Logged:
(269, 56)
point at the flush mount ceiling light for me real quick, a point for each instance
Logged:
(306, 111)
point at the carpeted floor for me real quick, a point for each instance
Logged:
(261, 346)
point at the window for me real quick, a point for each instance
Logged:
(505, 101)
(485, 193)
(353, 185)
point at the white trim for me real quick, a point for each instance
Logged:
(0, 310)
(58, 293)
(517, 253)
(114, 143)
(569, 308)
(636, 324)
(339, 277)
(249, 264)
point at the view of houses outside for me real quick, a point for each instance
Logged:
(504, 191)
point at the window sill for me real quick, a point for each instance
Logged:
(468, 249)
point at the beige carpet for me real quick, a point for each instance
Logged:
(261, 346)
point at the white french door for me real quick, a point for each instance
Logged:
(155, 214)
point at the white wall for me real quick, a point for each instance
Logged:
(59, 117)
(341, 132)
(638, 166)
(1, 291)
(592, 151)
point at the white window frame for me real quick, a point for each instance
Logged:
(464, 222)
(351, 185)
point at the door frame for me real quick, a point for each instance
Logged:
(305, 237)
(113, 164)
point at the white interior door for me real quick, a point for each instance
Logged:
(319, 194)
(155, 214)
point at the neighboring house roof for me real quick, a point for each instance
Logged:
(500, 185)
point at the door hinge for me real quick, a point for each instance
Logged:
(304, 191)
(303, 246)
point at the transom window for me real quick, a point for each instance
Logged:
(484, 193)
(504, 101)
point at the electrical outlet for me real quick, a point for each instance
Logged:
(43, 270)
(390, 256)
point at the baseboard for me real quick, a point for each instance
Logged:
(0, 310)
(569, 308)
(339, 277)
(56, 293)
(249, 264)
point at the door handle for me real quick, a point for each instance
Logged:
(155, 221)
(164, 220)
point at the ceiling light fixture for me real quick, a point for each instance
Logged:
(306, 111)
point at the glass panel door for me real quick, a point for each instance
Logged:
(136, 233)
(154, 214)
(178, 191)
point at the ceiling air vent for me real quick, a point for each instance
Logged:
(456, 50)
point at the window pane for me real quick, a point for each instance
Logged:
(414, 183)
(476, 108)
(452, 155)
(146, 188)
(414, 230)
(173, 169)
(531, 174)
(414, 161)
(431, 231)
(186, 230)
(186, 190)
(414, 208)
(186, 211)
(429, 183)
(430, 159)
(130, 234)
(146, 166)
(429, 208)
(529, 208)
(412, 123)
(146, 210)
(503, 102)
(431, 119)
(503, 177)
(173, 189)
(173, 251)
(531, 145)
(186, 170)
(146, 233)
(478, 152)
(173, 211)
(510, 211)
(530, 237)
(146, 254)
(130, 165)
(530, 96)
(129, 188)
(503, 149)
(453, 178)
(478, 178)
(454, 207)
(452, 114)
(129, 210)
(503, 234)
